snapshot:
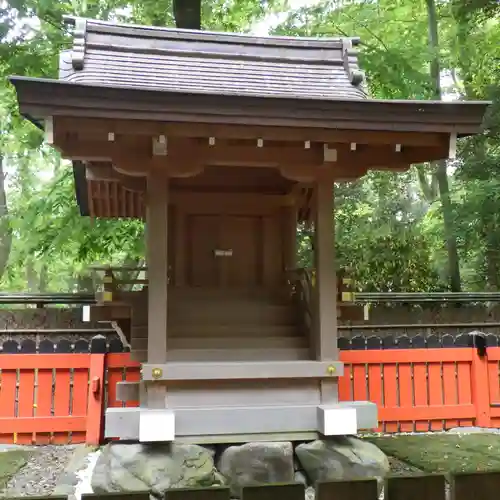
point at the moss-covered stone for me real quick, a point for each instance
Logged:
(156, 467)
(342, 458)
(444, 452)
(11, 461)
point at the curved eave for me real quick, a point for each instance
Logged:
(40, 98)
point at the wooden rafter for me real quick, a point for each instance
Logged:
(111, 199)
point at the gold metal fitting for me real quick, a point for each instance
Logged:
(331, 370)
(156, 373)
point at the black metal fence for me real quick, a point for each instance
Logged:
(424, 297)
(351, 337)
(40, 300)
(111, 343)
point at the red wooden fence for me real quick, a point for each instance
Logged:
(60, 398)
(51, 398)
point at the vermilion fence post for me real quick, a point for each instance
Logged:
(95, 411)
(480, 389)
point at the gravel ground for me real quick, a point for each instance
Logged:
(40, 475)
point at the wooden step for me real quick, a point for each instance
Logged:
(297, 342)
(234, 331)
(195, 293)
(139, 332)
(233, 313)
(230, 311)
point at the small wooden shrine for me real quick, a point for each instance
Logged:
(221, 143)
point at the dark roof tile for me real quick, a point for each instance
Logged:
(212, 63)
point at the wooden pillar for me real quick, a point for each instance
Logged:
(326, 281)
(157, 253)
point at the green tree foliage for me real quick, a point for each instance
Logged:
(379, 217)
(45, 243)
(389, 228)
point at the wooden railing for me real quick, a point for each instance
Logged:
(107, 283)
(302, 283)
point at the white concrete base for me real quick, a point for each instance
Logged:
(122, 423)
(366, 413)
(224, 424)
(334, 421)
(156, 425)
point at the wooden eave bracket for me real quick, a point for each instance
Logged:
(79, 39)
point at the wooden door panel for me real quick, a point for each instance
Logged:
(172, 229)
(242, 235)
(203, 237)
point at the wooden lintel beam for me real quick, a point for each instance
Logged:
(186, 155)
(96, 126)
(231, 199)
(248, 370)
(186, 158)
(385, 158)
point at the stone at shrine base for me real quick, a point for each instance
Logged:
(157, 467)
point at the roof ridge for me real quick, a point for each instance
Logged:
(220, 36)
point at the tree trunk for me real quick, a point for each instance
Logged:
(187, 14)
(428, 186)
(449, 227)
(5, 229)
(491, 257)
(43, 280)
(441, 171)
(31, 276)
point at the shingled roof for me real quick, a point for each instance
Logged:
(151, 58)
